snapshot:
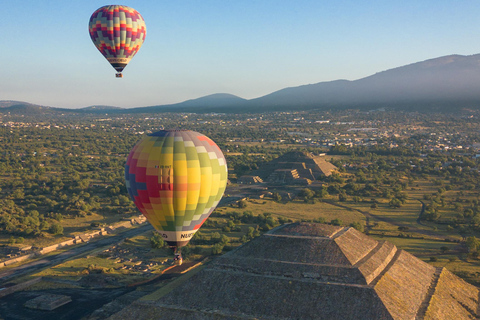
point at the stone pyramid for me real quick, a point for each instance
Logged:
(315, 271)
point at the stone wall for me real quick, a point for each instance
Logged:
(57, 246)
(18, 287)
(78, 239)
(17, 259)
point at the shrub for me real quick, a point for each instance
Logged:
(336, 222)
(217, 248)
(56, 229)
(443, 249)
(357, 225)
(242, 204)
(156, 241)
(319, 220)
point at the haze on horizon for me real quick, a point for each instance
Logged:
(248, 49)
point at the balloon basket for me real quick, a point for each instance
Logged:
(177, 257)
(178, 260)
(119, 75)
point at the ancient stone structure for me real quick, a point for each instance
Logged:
(315, 271)
(249, 179)
(48, 302)
(295, 168)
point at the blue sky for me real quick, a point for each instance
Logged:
(248, 48)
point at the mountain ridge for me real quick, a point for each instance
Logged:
(439, 84)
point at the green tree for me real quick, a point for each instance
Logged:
(443, 249)
(242, 203)
(56, 229)
(321, 193)
(473, 244)
(306, 194)
(156, 241)
(217, 248)
(357, 225)
(336, 222)
(395, 203)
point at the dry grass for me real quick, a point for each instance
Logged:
(420, 247)
(298, 210)
(49, 285)
(453, 259)
(407, 214)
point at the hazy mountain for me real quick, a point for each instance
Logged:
(445, 83)
(213, 102)
(20, 107)
(100, 108)
(13, 103)
(435, 84)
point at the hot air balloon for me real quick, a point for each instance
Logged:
(176, 179)
(118, 33)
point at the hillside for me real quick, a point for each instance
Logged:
(25, 108)
(100, 108)
(214, 102)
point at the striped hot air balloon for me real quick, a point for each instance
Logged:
(176, 179)
(118, 33)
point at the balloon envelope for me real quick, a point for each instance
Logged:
(118, 33)
(176, 179)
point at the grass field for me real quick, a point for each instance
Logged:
(454, 258)
(420, 247)
(298, 210)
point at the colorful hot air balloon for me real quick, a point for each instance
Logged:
(176, 179)
(118, 33)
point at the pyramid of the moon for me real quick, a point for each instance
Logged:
(315, 271)
(301, 165)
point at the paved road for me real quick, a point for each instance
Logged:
(52, 260)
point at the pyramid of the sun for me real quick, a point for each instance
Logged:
(315, 271)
